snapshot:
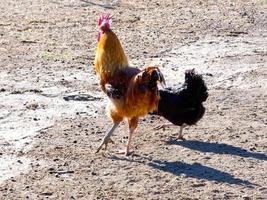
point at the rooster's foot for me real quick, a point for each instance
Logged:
(105, 142)
(125, 152)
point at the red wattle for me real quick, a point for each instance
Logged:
(98, 36)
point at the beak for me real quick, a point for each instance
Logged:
(161, 78)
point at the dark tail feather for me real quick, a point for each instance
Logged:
(193, 79)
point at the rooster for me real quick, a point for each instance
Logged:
(132, 92)
(183, 106)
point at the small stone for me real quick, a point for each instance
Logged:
(20, 162)
(47, 193)
(93, 173)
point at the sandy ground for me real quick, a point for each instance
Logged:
(52, 112)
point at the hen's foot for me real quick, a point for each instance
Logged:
(163, 126)
(180, 137)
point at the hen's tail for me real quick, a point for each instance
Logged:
(196, 83)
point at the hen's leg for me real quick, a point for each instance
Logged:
(180, 135)
(163, 126)
(107, 139)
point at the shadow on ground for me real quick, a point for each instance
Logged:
(195, 170)
(81, 97)
(218, 148)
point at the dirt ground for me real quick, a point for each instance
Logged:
(52, 112)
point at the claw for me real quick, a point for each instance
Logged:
(107, 139)
(105, 142)
(180, 137)
(125, 152)
(163, 126)
(158, 127)
(161, 78)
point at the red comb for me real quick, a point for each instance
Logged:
(107, 17)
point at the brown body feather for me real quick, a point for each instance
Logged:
(139, 98)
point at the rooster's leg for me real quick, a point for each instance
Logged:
(163, 126)
(180, 135)
(132, 126)
(107, 139)
(128, 144)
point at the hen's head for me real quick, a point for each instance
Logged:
(150, 77)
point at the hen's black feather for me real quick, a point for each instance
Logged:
(183, 105)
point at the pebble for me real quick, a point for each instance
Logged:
(47, 193)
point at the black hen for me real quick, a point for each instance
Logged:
(183, 106)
